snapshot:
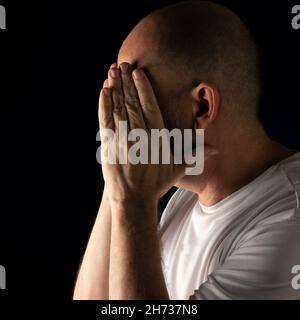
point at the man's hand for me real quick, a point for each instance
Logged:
(130, 98)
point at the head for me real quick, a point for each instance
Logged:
(203, 65)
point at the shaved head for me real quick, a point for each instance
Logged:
(193, 42)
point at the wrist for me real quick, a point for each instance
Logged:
(132, 200)
(134, 210)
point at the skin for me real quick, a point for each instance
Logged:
(117, 263)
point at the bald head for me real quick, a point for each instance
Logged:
(193, 42)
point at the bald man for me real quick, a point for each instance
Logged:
(232, 232)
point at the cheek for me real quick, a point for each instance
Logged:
(184, 114)
(174, 106)
(176, 115)
(168, 116)
(167, 109)
(185, 118)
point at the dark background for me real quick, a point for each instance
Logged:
(53, 60)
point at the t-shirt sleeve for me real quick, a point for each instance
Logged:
(261, 267)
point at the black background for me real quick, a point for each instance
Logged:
(53, 59)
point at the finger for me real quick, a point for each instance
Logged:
(118, 108)
(131, 98)
(150, 108)
(105, 84)
(105, 109)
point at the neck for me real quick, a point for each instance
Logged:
(247, 157)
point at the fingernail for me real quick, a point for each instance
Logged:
(114, 73)
(114, 65)
(105, 83)
(125, 67)
(136, 74)
(106, 91)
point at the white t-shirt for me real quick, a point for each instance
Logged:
(243, 247)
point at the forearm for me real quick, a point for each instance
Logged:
(135, 264)
(92, 280)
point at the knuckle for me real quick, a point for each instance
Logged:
(118, 108)
(131, 102)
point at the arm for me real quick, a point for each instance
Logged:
(92, 280)
(135, 265)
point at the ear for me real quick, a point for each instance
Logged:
(206, 99)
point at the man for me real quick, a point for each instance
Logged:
(232, 232)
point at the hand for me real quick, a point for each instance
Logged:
(128, 96)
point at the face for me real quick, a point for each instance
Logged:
(140, 50)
